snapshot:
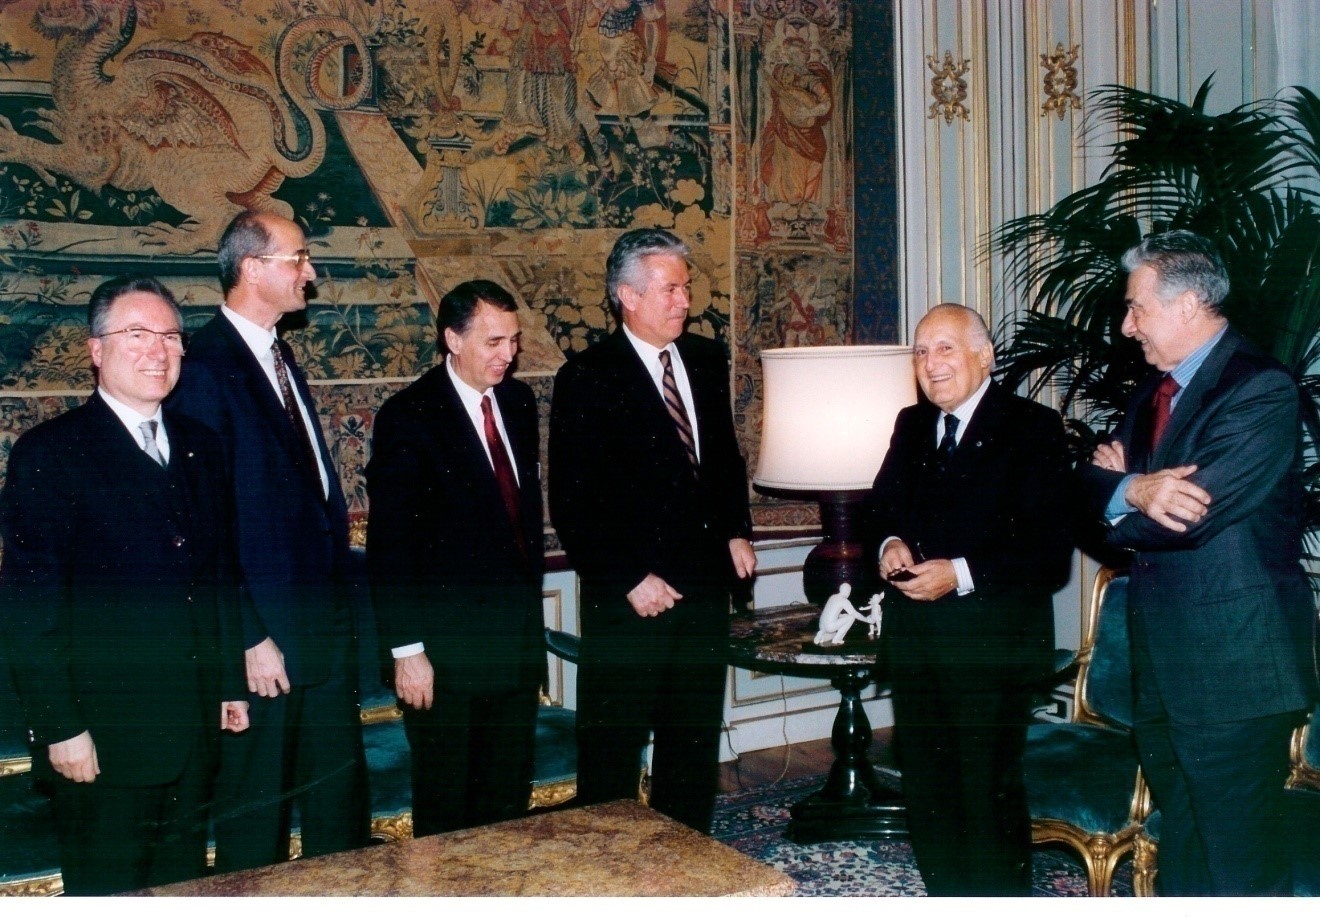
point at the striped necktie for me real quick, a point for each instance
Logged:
(674, 402)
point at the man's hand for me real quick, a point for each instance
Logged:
(75, 759)
(652, 596)
(265, 669)
(234, 715)
(1110, 457)
(414, 681)
(744, 557)
(1167, 497)
(934, 579)
(895, 556)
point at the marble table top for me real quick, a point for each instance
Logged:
(612, 849)
(781, 637)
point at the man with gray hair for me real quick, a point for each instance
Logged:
(1201, 484)
(648, 493)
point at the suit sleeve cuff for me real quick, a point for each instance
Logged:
(964, 574)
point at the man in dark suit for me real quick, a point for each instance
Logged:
(305, 744)
(1202, 484)
(648, 493)
(120, 606)
(455, 555)
(968, 510)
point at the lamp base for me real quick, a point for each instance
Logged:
(841, 556)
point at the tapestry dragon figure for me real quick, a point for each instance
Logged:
(203, 122)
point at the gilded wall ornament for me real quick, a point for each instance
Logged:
(1060, 81)
(948, 88)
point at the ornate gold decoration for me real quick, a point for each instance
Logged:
(39, 887)
(553, 794)
(392, 827)
(17, 765)
(1060, 81)
(385, 713)
(948, 88)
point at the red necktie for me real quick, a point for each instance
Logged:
(499, 458)
(1163, 403)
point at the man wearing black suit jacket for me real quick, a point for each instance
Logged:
(305, 744)
(648, 493)
(969, 506)
(120, 606)
(1201, 483)
(455, 557)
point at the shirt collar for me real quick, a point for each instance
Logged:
(1184, 371)
(127, 416)
(256, 337)
(649, 353)
(965, 410)
(470, 397)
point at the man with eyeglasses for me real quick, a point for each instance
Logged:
(305, 744)
(119, 600)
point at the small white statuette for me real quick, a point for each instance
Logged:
(836, 618)
(876, 615)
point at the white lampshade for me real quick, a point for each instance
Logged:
(829, 413)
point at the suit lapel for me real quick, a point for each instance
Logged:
(981, 432)
(250, 374)
(1189, 402)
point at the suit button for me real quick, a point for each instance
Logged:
(178, 541)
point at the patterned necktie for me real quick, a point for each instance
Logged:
(499, 458)
(148, 431)
(950, 440)
(674, 402)
(291, 408)
(1163, 402)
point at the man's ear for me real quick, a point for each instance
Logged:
(453, 340)
(627, 298)
(94, 346)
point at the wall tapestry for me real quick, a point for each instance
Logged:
(421, 143)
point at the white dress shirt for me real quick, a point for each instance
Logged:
(133, 421)
(651, 360)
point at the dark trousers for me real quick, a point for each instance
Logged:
(1219, 788)
(960, 732)
(663, 675)
(303, 748)
(472, 758)
(116, 839)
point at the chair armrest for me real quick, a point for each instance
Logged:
(562, 644)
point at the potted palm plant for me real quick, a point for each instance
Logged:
(1248, 178)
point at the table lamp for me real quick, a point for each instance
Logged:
(827, 418)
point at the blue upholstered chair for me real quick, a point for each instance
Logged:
(1301, 814)
(554, 778)
(1084, 786)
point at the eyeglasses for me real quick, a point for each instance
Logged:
(300, 258)
(140, 340)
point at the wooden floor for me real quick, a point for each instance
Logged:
(789, 762)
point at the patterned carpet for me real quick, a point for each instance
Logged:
(753, 821)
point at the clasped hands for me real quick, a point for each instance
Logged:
(653, 596)
(1166, 496)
